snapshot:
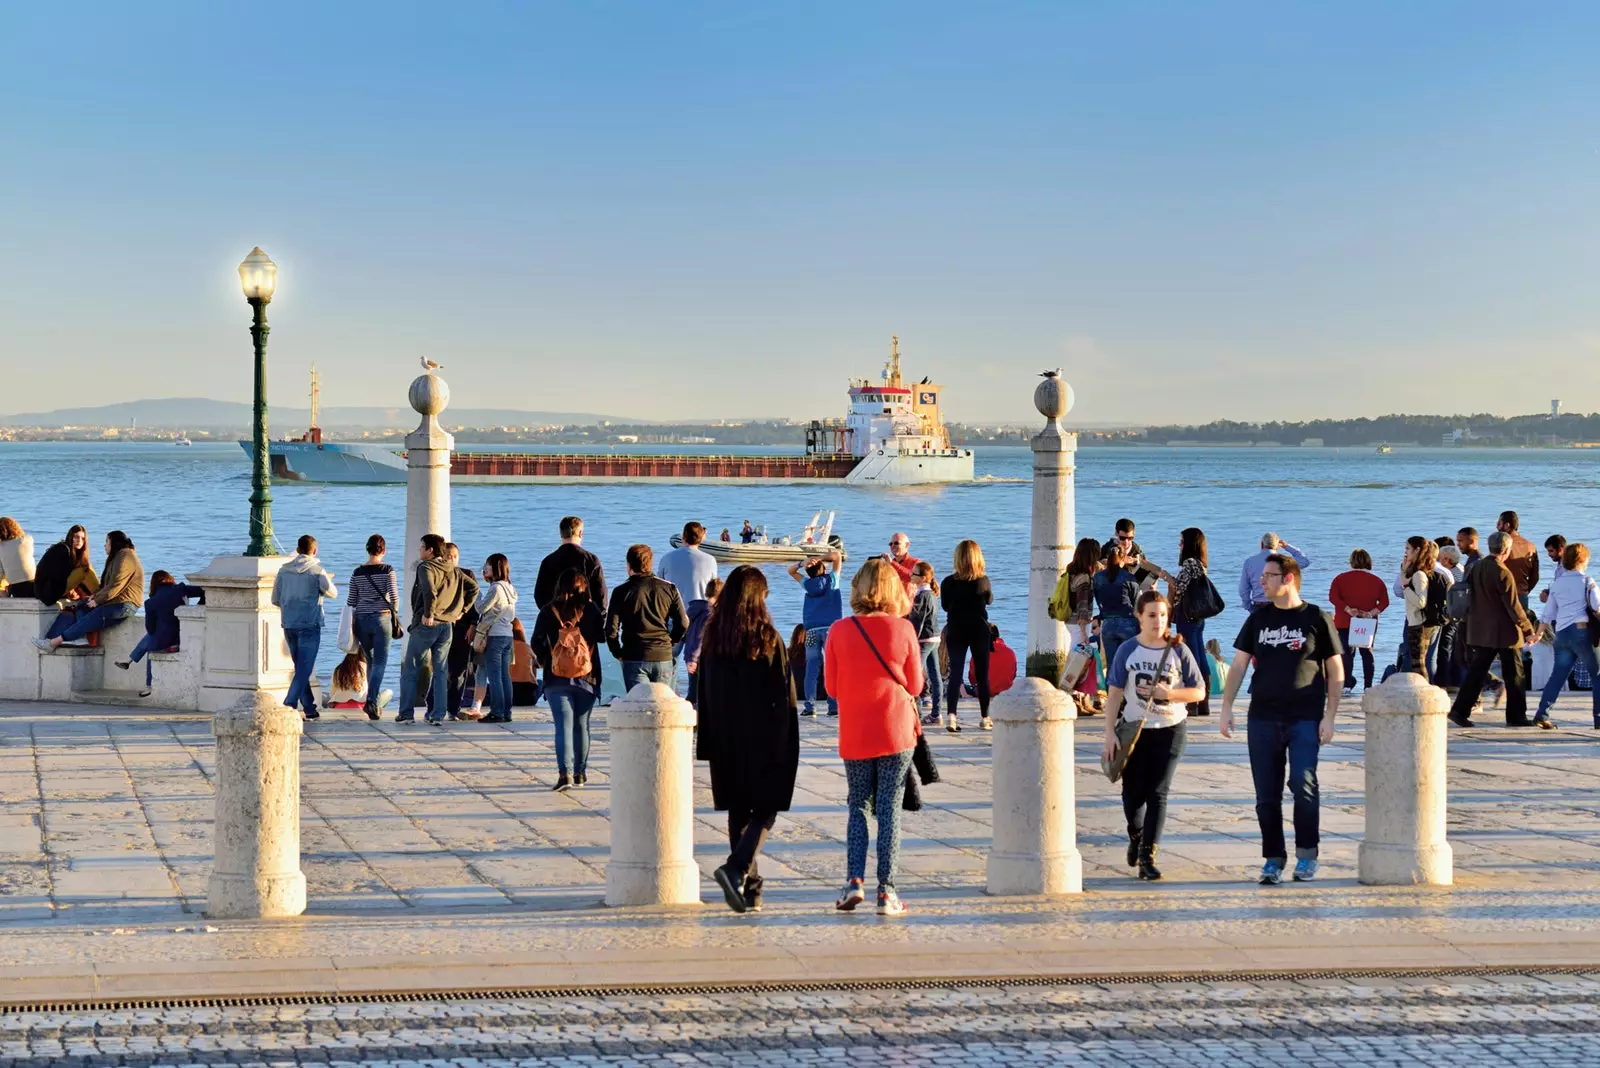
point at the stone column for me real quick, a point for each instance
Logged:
(256, 842)
(1404, 754)
(1035, 838)
(652, 799)
(1054, 453)
(243, 648)
(427, 472)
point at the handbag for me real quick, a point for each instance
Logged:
(1201, 599)
(1127, 732)
(396, 631)
(1363, 632)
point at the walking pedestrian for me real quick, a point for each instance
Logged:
(1357, 594)
(645, 620)
(747, 728)
(1573, 596)
(1193, 557)
(874, 669)
(568, 556)
(566, 640)
(1497, 626)
(438, 598)
(822, 607)
(298, 590)
(1555, 546)
(1252, 594)
(1425, 587)
(925, 620)
(374, 603)
(1165, 679)
(965, 596)
(497, 607)
(1523, 558)
(1299, 669)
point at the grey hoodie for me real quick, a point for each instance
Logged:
(299, 589)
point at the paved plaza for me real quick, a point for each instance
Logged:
(440, 859)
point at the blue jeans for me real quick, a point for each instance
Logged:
(1114, 630)
(495, 673)
(815, 637)
(1194, 636)
(636, 671)
(303, 644)
(373, 633)
(434, 643)
(75, 623)
(569, 708)
(877, 784)
(1274, 742)
(930, 668)
(139, 652)
(1572, 646)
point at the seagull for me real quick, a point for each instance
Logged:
(429, 365)
(1050, 374)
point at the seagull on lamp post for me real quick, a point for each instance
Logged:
(429, 365)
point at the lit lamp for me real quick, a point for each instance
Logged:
(258, 276)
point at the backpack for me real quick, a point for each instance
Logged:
(1458, 602)
(569, 656)
(1434, 612)
(1061, 605)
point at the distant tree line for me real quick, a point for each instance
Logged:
(1480, 429)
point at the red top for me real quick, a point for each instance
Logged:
(903, 568)
(1361, 590)
(876, 718)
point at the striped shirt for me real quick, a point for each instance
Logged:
(373, 590)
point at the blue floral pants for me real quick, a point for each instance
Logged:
(878, 784)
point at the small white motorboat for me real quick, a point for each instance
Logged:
(817, 539)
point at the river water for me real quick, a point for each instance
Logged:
(184, 505)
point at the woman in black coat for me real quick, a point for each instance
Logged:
(748, 729)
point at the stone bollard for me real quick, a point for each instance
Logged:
(652, 799)
(1035, 836)
(1054, 520)
(1404, 843)
(256, 841)
(427, 473)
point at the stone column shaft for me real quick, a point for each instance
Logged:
(427, 474)
(1035, 836)
(652, 799)
(256, 840)
(1404, 843)
(1054, 525)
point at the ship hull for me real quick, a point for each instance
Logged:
(354, 464)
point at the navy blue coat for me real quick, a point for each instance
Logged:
(160, 613)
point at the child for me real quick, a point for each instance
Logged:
(160, 622)
(925, 619)
(699, 611)
(348, 688)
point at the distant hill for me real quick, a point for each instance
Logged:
(200, 413)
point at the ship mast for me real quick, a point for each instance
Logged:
(892, 372)
(316, 395)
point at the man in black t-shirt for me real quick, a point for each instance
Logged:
(1299, 671)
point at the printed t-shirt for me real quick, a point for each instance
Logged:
(1138, 662)
(1289, 646)
(823, 604)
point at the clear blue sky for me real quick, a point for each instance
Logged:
(682, 210)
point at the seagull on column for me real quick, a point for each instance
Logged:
(429, 365)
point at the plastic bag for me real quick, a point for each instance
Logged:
(347, 631)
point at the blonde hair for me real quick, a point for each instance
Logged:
(877, 588)
(969, 560)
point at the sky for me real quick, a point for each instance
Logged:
(678, 211)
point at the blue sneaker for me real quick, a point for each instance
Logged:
(1305, 869)
(1271, 873)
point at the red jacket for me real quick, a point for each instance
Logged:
(1361, 590)
(876, 717)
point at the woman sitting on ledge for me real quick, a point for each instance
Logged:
(348, 687)
(117, 598)
(16, 559)
(65, 573)
(160, 622)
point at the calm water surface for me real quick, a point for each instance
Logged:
(184, 505)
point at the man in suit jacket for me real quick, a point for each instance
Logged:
(1496, 626)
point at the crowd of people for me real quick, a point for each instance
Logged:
(890, 668)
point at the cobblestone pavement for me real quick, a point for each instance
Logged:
(1526, 1019)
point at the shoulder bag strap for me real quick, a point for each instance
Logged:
(881, 661)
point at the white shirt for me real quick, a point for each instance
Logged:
(16, 559)
(1570, 595)
(689, 568)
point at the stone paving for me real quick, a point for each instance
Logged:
(1525, 1019)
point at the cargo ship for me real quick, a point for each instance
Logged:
(893, 435)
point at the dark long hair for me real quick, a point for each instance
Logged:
(80, 557)
(1085, 558)
(1192, 546)
(119, 541)
(740, 625)
(572, 593)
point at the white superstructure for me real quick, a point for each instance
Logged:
(899, 432)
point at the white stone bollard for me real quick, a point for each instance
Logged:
(1035, 837)
(1054, 521)
(427, 473)
(256, 871)
(1404, 843)
(652, 799)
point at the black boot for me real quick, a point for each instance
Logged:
(1147, 865)
(1133, 848)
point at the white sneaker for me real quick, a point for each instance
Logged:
(42, 644)
(889, 903)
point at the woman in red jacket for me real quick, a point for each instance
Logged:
(1359, 594)
(873, 667)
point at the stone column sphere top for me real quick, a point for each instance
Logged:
(1053, 397)
(429, 394)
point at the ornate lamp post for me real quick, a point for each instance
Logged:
(258, 276)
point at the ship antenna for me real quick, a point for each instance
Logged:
(894, 359)
(315, 396)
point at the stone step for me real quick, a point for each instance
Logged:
(117, 698)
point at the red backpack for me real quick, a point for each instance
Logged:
(569, 656)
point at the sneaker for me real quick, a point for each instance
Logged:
(404, 719)
(952, 724)
(808, 711)
(1305, 869)
(580, 779)
(312, 713)
(42, 644)
(1271, 873)
(986, 724)
(752, 902)
(123, 664)
(1544, 723)
(144, 693)
(732, 890)
(436, 723)
(853, 895)
(563, 783)
(370, 710)
(932, 719)
(889, 903)
(833, 710)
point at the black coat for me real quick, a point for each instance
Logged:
(748, 731)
